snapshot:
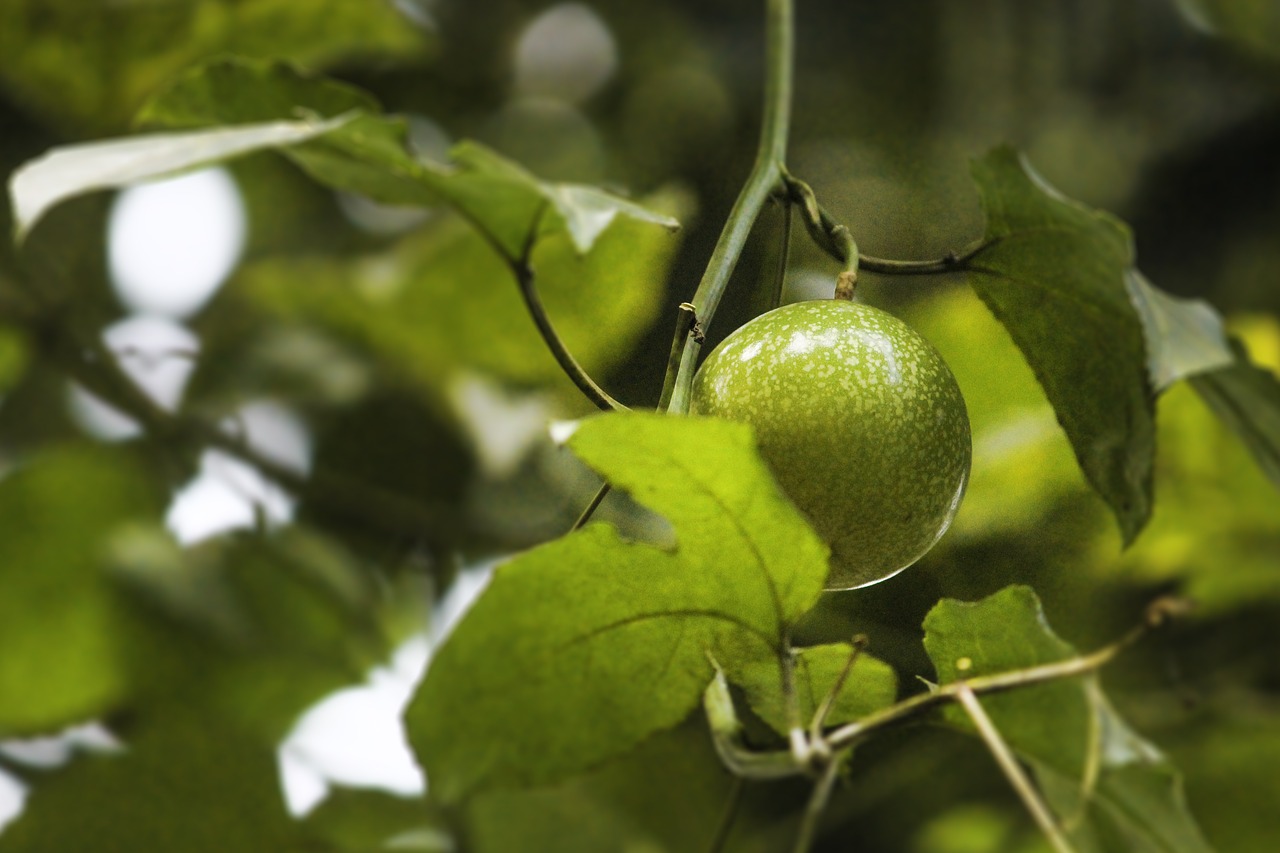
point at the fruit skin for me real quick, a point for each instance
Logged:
(861, 422)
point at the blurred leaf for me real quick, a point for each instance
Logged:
(871, 685)
(1230, 758)
(1184, 336)
(13, 359)
(583, 647)
(442, 299)
(186, 783)
(251, 628)
(1053, 273)
(975, 829)
(371, 155)
(73, 170)
(1247, 399)
(1063, 728)
(360, 821)
(1216, 529)
(87, 67)
(1253, 24)
(57, 615)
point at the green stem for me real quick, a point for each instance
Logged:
(766, 174)
(953, 262)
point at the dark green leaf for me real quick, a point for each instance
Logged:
(581, 648)
(1247, 399)
(1112, 790)
(871, 685)
(1054, 274)
(58, 619)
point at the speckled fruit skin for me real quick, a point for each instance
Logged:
(861, 422)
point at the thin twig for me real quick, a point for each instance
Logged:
(829, 701)
(598, 499)
(1013, 770)
(816, 806)
(999, 682)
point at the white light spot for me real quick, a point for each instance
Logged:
(172, 243)
(13, 798)
(354, 736)
(751, 351)
(567, 53)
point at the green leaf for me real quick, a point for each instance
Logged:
(1113, 790)
(1247, 399)
(187, 784)
(58, 619)
(1004, 632)
(442, 300)
(583, 647)
(871, 685)
(1054, 273)
(73, 170)
(1184, 336)
(371, 155)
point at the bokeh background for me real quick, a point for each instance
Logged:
(154, 591)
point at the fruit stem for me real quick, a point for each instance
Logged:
(765, 177)
(830, 236)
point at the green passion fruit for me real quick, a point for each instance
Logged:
(861, 422)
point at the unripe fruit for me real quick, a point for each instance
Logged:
(859, 419)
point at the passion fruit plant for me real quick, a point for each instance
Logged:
(824, 445)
